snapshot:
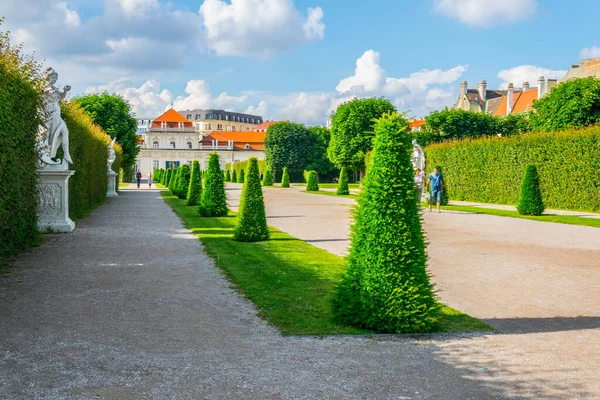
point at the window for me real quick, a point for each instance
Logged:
(219, 127)
(172, 145)
(170, 125)
(247, 146)
(233, 128)
(238, 119)
(189, 116)
(247, 128)
(189, 145)
(252, 120)
(227, 118)
(155, 164)
(207, 127)
(155, 145)
(227, 128)
(220, 116)
(198, 116)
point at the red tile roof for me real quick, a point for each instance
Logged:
(501, 110)
(264, 126)
(256, 140)
(172, 116)
(416, 123)
(525, 102)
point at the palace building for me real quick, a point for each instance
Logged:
(172, 140)
(206, 121)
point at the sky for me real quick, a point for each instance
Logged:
(298, 60)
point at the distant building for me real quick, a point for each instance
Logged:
(264, 126)
(210, 120)
(416, 124)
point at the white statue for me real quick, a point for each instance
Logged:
(112, 156)
(418, 156)
(53, 132)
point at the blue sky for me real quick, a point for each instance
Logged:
(297, 60)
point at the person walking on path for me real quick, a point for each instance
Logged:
(138, 178)
(419, 182)
(150, 180)
(436, 185)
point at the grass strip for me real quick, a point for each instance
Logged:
(290, 281)
(325, 193)
(330, 185)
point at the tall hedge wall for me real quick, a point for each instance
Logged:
(238, 166)
(490, 170)
(19, 101)
(88, 145)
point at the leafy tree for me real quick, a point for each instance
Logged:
(342, 188)
(268, 178)
(227, 176)
(241, 176)
(352, 131)
(458, 124)
(184, 182)
(530, 202)
(252, 220)
(572, 104)
(514, 124)
(312, 184)
(113, 113)
(386, 287)
(317, 159)
(195, 188)
(288, 145)
(285, 178)
(214, 201)
(233, 176)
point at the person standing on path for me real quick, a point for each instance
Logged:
(436, 185)
(419, 182)
(150, 180)
(138, 178)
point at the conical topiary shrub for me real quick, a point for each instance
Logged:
(530, 201)
(214, 201)
(240, 178)
(268, 178)
(234, 176)
(184, 182)
(195, 187)
(311, 182)
(386, 287)
(342, 188)
(167, 178)
(227, 176)
(174, 181)
(285, 178)
(252, 220)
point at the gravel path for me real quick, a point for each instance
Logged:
(129, 307)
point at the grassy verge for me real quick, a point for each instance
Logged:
(289, 280)
(324, 193)
(123, 184)
(329, 185)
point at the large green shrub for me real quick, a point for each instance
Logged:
(234, 176)
(252, 220)
(184, 182)
(167, 178)
(243, 165)
(241, 176)
(386, 287)
(19, 120)
(312, 184)
(342, 188)
(490, 170)
(214, 201)
(227, 176)
(174, 180)
(88, 145)
(194, 193)
(530, 201)
(285, 178)
(268, 178)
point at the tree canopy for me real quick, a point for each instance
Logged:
(352, 131)
(572, 104)
(288, 145)
(317, 159)
(113, 114)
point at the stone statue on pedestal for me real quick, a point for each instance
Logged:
(112, 156)
(111, 188)
(418, 156)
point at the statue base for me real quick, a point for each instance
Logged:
(112, 184)
(53, 194)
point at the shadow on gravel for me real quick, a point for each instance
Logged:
(509, 326)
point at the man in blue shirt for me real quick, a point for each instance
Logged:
(436, 184)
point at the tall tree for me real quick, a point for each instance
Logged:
(352, 131)
(288, 145)
(317, 158)
(113, 114)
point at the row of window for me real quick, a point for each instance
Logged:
(234, 118)
(189, 145)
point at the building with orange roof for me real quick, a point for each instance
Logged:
(172, 140)
(264, 126)
(210, 120)
(416, 125)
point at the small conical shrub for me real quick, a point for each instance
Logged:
(342, 188)
(268, 178)
(227, 176)
(234, 176)
(184, 182)
(252, 220)
(386, 287)
(213, 201)
(312, 185)
(165, 182)
(285, 178)
(174, 181)
(530, 201)
(240, 178)
(195, 187)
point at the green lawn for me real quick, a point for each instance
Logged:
(123, 184)
(289, 280)
(330, 185)
(349, 196)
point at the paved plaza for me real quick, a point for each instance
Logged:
(129, 307)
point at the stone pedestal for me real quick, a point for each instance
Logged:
(111, 189)
(53, 193)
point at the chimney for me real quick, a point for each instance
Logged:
(541, 88)
(482, 87)
(509, 98)
(525, 86)
(463, 88)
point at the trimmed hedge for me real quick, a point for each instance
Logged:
(252, 219)
(234, 176)
(167, 178)
(227, 176)
(184, 182)
(243, 165)
(489, 170)
(530, 201)
(19, 101)
(241, 176)
(173, 181)
(285, 178)
(214, 201)
(88, 145)
(268, 178)
(312, 184)
(342, 188)
(194, 193)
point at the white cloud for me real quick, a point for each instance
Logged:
(368, 76)
(527, 73)
(589, 52)
(487, 13)
(135, 8)
(71, 17)
(257, 27)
